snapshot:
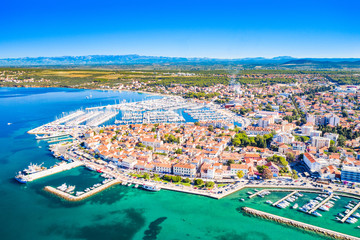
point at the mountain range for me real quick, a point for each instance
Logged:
(281, 61)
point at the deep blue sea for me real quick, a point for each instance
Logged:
(27, 212)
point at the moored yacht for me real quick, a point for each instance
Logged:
(151, 187)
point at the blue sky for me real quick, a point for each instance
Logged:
(220, 29)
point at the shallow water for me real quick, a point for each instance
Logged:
(120, 212)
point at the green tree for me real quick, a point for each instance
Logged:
(294, 174)
(187, 180)
(229, 162)
(146, 176)
(176, 178)
(211, 128)
(290, 157)
(198, 182)
(240, 174)
(283, 162)
(341, 141)
(209, 184)
(178, 151)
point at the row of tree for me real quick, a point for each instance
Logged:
(242, 140)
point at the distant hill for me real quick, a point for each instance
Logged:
(281, 62)
(128, 59)
(323, 63)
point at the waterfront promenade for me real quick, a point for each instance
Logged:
(298, 224)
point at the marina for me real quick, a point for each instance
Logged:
(350, 213)
(321, 203)
(207, 115)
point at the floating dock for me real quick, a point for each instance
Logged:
(350, 213)
(282, 199)
(73, 198)
(257, 193)
(298, 224)
(53, 170)
(320, 204)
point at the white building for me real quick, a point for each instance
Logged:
(315, 133)
(334, 120)
(320, 142)
(306, 129)
(311, 162)
(332, 136)
(163, 167)
(128, 163)
(150, 142)
(184, 169)
(286, 138)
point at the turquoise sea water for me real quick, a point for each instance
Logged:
(27, 212)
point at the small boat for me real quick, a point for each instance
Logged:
(21, 178)
(62, 187)
(70, 189)
(295, 206)
(317, 214)
(269, 202)
(249, 193)
(303, 209)
(151, 187)
(358, 227)
(90, 167)
(242, 199)
(9, 124)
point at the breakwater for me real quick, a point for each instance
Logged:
(294, 223)
(73, 198)
(53, 170)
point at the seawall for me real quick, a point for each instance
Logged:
(294, 223)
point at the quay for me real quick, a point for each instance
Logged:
(320, 204)
(350, 213)
(257, 193)
(294, 223)
(50, 171)
(282, 199)
(73, 198)
(59, 140)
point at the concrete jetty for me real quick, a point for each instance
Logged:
(350, 213)
(73, 198)
(59, 140)
(320, 204)
(294, 223)
(53, 170)
(257, 193)
(282, 199)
